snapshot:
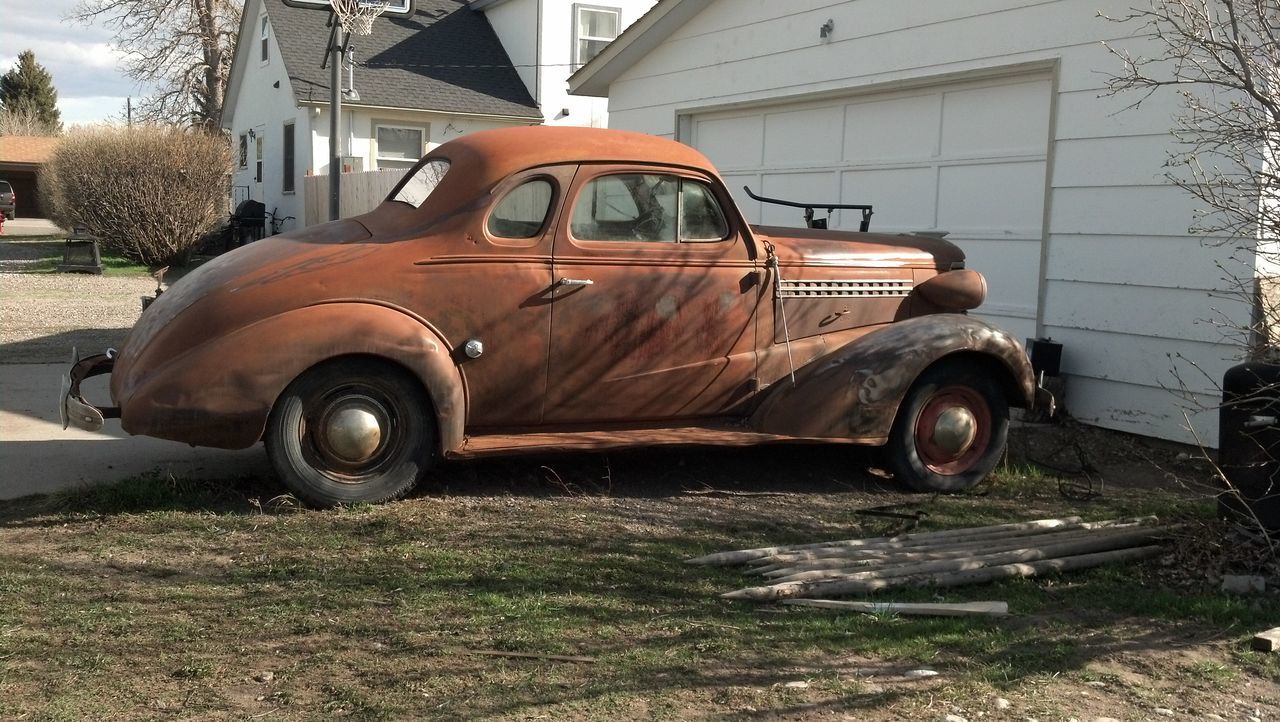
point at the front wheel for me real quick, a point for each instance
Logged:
(351, 431)
(950, 430)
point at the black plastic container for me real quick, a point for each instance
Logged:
(1249, 443)
(1045, 355)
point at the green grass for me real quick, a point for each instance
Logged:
(162, 596)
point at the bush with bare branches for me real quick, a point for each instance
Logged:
(148, 193)
(1222, 58)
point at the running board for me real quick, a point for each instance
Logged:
(553, 442)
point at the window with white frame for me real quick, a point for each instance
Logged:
(287, 159)
(397, 147)
(593, 28)
(265, 36)
(244, 150)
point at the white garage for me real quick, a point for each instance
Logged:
(987, 119)
(968, 158)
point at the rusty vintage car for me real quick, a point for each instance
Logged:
(564, 288)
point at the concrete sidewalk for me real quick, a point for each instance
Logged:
(38, 457)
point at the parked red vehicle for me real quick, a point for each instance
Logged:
(565, 288)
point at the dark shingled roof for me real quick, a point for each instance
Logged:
(443, 57)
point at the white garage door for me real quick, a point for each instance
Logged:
(967, 158)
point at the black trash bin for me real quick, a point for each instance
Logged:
(1249, 443)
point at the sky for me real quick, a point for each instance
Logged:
(80, 58)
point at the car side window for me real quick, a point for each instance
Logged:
(627, 207)
(701, 218)
(521, 213)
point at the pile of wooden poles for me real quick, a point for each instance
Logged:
(940, 559)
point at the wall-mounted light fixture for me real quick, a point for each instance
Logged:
(827, 28)
(252, 134)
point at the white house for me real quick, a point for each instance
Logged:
(549, 39)
(418, 80)
(985, 118)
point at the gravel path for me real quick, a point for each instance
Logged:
(42, 315)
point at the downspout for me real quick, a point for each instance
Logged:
(537, 61)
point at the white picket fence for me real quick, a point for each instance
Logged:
(360, 193)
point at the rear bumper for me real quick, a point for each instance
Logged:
(72, 407)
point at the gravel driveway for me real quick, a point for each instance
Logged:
(42, 315)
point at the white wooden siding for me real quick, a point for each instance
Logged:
(1122, 283)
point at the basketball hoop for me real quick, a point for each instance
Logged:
(357, 16)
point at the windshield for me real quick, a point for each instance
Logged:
(420, 182)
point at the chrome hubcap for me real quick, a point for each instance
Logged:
(353, 431)
(955, 430)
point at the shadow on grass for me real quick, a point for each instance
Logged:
(634, 474)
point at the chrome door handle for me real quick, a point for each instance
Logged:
(575, 282)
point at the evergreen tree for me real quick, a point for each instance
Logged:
(28, 89)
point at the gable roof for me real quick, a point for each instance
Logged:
(26, 149)
(444, 57)
(633, 44)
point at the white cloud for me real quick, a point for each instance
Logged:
(81, 59)
(86, 111)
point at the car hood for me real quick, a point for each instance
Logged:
(808, 246)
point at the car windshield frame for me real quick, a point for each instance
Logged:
(426, 186)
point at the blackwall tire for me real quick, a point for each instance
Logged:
(351, 431)
(951, 429)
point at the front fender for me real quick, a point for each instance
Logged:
(220, 393)
(854, 391)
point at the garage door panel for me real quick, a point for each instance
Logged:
(903, 198)
(811, 187)
(1005, 198)
(732, 142)
(805, 136)
(968, 157)
(996, 120)
(735, 181)
(899, 129)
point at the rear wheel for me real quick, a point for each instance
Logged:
(951, 429)
(351, 431)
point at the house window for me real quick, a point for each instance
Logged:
(257, 173)
(244, 150)
(397, 148)
(266, 40)
(593, 28)
(287, 155)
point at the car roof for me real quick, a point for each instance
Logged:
(496, 154)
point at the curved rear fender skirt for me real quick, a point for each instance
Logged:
(854, 391)
(220, 393)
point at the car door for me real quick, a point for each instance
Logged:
(654, 299)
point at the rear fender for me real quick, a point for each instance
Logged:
(220, 393)
(854, 391)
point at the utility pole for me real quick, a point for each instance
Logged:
(128, 105)
(335, 120)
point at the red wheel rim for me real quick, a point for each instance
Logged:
(952, 402)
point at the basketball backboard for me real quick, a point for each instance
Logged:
(394, 7)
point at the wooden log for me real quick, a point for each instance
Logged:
(1268, 641)
(1076, 547)
(889, 552)
(746, 555)
(860, 563)
(962, 609)
(944, 579)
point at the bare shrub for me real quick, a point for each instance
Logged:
(24, 121)
(148, 193)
